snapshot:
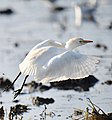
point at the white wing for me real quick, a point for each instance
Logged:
(69, 65)
(37, 58)
(47, 43)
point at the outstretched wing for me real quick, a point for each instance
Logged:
(39, 55)
(37, 58)
(47, 43)
(69, 65)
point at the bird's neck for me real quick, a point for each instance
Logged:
(70, 46)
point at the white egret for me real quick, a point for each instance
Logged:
(85, 11)
(52, 61)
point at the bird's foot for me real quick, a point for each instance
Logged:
(17, 92)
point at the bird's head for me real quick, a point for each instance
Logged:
(76, 42)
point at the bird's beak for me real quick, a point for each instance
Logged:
(87, 41)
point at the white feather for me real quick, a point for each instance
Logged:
(53, 61)
(36, 59)
(69, 65)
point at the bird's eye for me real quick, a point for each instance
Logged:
(80, 41)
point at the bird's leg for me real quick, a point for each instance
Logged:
(9, 86)
(17, 92)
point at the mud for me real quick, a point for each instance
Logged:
(16, 45)
(110, 26)
(101, 46)
(4, 83)
(35, 86)
(58, 9)
(17, 110)
(77, 85)
(7, 11)
(41, 101)
(2, 113)
(108, 82)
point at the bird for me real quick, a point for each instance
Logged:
(51, 61)
(85, 11)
